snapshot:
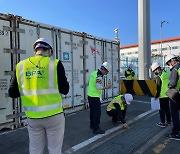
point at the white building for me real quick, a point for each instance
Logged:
(129, 53)
(170, 45)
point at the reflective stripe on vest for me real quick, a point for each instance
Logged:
(164, 86)
(43, 108)
(118, 98)
(129, 76)
(45, 100)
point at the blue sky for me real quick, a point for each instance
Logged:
(99, 17)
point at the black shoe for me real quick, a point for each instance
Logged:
(99, 131)
(173, 137)
(169, 123)
(160, 124)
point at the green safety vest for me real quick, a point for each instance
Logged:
(118, 98)
(164, 86)
(178, 84)
(92, 90)
(38, 87)
(129, 75)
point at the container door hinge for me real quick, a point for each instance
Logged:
(16, 51)
(5, 28)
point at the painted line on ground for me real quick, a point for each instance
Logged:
(142, 102)
(99, 136)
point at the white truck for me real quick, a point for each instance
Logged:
(79, 52)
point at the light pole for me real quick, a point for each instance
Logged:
(161, 25)
(169, 48)
(116, 34)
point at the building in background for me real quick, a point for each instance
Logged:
(129, 53)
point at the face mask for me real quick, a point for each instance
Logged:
(156, 73)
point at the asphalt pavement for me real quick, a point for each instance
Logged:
(142, 137)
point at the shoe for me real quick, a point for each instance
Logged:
(168, 123)
(160, 124)
(173, 137)
(99, 131)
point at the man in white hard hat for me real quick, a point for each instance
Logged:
(94, 93)
(40, 81)
(173, 62)
(117, 108)
(162, 80)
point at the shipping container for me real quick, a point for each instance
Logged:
(79, 52)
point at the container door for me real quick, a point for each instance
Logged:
(6, 105)
(66, 54)
(115, 70)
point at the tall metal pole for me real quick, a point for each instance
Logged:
(161, 25)
(144, 39)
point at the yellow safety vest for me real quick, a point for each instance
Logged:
(38, 86)
(129, 75)
(178, 84)
(164, 86)
(119, 101)
(92, 90)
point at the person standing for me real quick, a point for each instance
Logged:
(39, 81)
(129, 73)
(162, 81)
(94, 93)
(173, 62)
(117, 108)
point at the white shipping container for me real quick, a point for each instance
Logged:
(79, 52)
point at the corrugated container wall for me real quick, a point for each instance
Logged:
(80, 54)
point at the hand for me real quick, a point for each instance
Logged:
(108, 86)
(155, 98)
(125, 125)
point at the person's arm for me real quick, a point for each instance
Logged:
(125, 73)
(118, 109)
(63, 84)
(173, 78)
(99, 85)
(158, 83)
(13, 88)
(132, 73)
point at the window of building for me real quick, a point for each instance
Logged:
(164, 49)
(175, 47)
(153, 50)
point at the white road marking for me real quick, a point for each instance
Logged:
(95, 138)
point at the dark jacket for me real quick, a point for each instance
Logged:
(174, 77)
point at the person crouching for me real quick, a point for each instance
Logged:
(117, 108)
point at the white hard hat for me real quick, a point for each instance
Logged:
(107, 66)
(128, 98)
(154, 66)
(169, 57)
(42, 42)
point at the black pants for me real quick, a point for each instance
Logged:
(95, 112)
(117, 114)
(129, 86)
(175, 116)
(164, 110)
